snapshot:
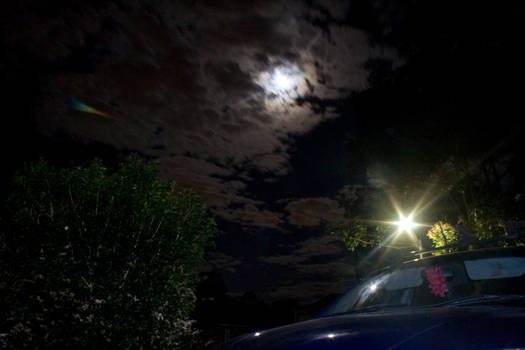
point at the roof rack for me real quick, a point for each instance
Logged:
(467, 239)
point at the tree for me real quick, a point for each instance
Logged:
(458, 175)
(96, 260)
(442, 234)
(432, 129)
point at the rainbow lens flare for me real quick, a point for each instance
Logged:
(79, 106)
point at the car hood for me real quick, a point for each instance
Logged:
(447, 327)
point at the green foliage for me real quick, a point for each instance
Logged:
(413, 132)
(460, 184)
(96, 260)
(442, 234)
(485, 221)
(356, 231)
(353, 235)
(357, 235)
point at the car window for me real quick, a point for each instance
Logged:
(494, 268)
(404, 278)
(434, 282)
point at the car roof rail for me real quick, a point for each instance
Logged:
(467, 239)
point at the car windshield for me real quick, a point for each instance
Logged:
(434, 282)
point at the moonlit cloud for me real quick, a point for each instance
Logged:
(207, 88)
(194, 81)
(310, 211)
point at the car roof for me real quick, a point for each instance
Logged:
(415, 260)
(469, 254)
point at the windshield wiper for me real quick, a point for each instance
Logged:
(481, 299)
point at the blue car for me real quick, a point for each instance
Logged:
(465, 300)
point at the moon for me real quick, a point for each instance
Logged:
(282, 83)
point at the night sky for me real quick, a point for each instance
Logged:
(254, 105)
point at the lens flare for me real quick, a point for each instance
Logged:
(405, 224)
(79, 106)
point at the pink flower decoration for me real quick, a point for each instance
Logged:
(437, 281)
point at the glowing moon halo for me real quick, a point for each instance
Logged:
(281, 83)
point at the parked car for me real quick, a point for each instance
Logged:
(465, 300)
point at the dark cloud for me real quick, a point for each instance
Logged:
(318, 266)
(181, 65)
(229, 77)
(310, 211)
(221, 261)
(245, 32)
(190, 84)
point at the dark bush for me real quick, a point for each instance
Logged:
(96, 260)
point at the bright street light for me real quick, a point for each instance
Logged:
(405, 224)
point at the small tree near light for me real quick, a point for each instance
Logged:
(442, 234)
(95, 260)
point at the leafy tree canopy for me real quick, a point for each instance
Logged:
(96, 260)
